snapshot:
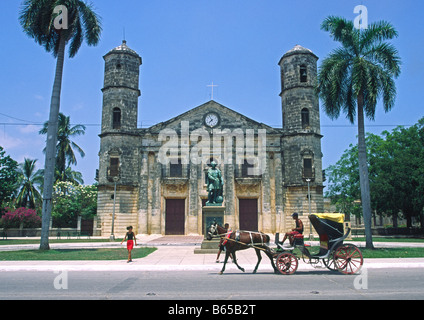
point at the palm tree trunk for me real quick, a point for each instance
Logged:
(50, 162)
(363, 174)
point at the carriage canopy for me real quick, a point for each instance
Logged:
(330, 224)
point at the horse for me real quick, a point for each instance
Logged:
(241, 240)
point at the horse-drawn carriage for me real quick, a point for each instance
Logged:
(335, 255)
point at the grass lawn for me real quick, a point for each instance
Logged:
(12, 241)
(393, 253)
(387, 239)
(378, 252)
(75, 254)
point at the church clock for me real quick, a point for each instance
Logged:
(211, 119)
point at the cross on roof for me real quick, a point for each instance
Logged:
(212, 85)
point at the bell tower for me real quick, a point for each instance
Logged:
(299, 101)
(301, 128)
(118, 155)
(121, 89)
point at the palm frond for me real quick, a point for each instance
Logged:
(386, 55)
(37, 20)
(92, 23)
(376, 33)
(343, 31)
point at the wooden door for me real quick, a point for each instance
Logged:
(174, 216)
(248, 214)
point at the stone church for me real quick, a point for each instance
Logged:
(155, 178)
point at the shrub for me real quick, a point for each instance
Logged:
(13, 219)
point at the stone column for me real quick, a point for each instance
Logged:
(155, 194)
(193, 198)
(279, 208)
(142, 197)
(229, 195)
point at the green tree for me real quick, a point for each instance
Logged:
(396, 172)
(9, 177)
(28, 195)
(343, 177)
(351, 80)
(70, 201)
(400, 182)
(54, 29)
(65, 155)
(69, 175)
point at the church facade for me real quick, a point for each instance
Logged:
(155, 178)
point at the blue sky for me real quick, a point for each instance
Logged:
(185, 45)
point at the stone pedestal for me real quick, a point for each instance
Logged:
(210, 214)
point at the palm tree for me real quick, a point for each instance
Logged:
(351, 80)
(65, 155)
(38, 19)
(28, 195)
(69, 175)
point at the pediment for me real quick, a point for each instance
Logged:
(227, 119)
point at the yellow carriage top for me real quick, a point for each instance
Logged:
(329, 224)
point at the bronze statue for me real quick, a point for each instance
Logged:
(215, 185)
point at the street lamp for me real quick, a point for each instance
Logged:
(311, 236)
(112, 236)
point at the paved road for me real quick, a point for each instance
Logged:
(206, 285)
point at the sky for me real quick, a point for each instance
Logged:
(186, 45)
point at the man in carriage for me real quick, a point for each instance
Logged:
(298, 230)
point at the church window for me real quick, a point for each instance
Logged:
(116, 121)
(114, 167)
(245, 172)
(176, 169)
(307, 168)
(305, 118)
(303, 74)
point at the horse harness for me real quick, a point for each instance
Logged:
(237, 239)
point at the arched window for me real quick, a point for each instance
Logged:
(303, 74)
(113, 167)
(116, 118)
(305, 118)
(308, 172)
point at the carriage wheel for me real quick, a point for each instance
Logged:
(348, 259)
(286, 263)
(329, 262)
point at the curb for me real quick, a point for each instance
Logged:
(123, 266)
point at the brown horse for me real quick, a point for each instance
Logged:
(241, 240)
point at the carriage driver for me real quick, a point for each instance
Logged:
(297, 230)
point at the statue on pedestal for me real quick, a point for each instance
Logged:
(215, 186)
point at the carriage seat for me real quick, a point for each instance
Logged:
(298, 239)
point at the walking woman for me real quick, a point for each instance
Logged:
(131, 242)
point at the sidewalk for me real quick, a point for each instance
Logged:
(177, 254)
